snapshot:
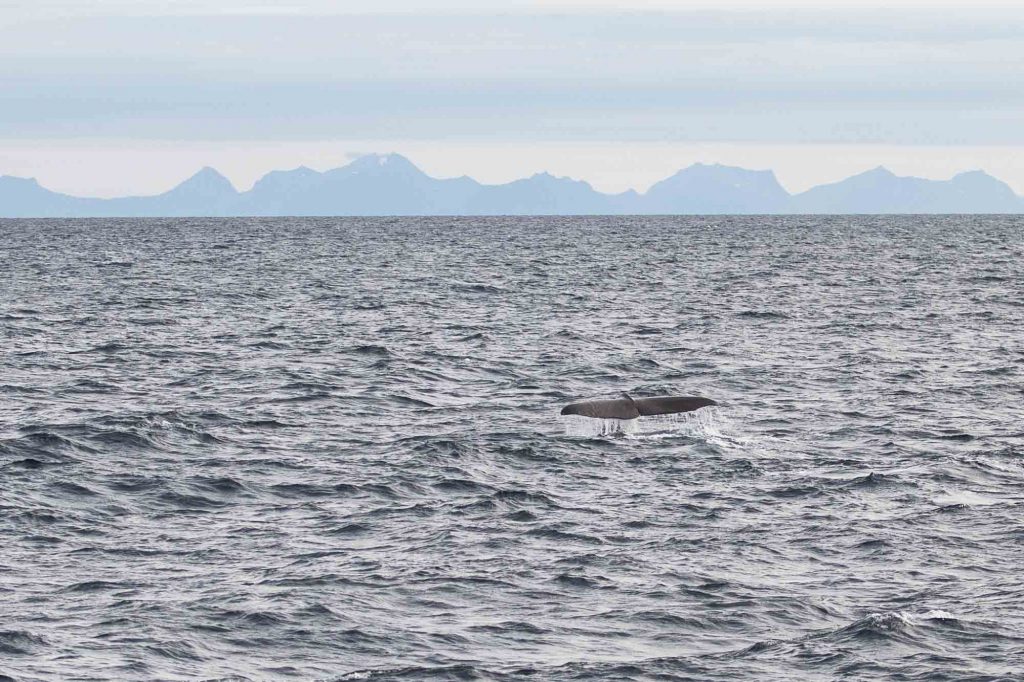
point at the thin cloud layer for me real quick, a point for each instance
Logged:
(892, 77)
(442, 73)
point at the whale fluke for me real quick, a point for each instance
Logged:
(630, 408)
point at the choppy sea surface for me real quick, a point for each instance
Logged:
(330, 449)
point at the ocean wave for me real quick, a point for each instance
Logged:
(330, 448)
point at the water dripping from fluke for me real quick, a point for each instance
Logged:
(627, 407)
(628, 416)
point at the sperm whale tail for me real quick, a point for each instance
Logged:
(631, 408)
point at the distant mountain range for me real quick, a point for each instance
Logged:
(391, 185)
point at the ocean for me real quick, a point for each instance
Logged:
(331, 449)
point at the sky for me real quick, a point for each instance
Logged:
(110, 97)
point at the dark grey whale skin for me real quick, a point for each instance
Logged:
(631, 408)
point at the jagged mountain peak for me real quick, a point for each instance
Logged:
(17, 180)
(714, 188)
(976, 176)
(879, 191)
(546, 178)
(206, 181)
(381, 164)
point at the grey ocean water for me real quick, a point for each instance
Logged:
(330, 449)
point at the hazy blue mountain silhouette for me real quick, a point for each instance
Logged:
(25, 197)
(702, 189)
(390, 184)
(371, 185)
(206, 190)
(540, 194)
(880, 191)
(205, 193)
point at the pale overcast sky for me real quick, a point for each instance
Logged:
(112, 97)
